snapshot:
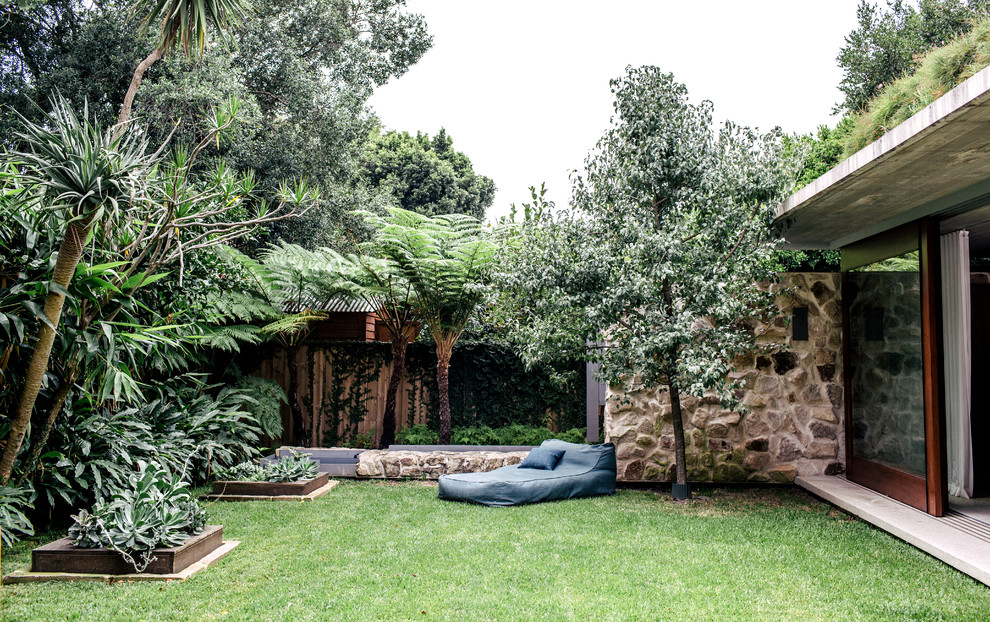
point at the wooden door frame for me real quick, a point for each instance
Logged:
(928, 493)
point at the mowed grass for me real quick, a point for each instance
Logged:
(392, 551)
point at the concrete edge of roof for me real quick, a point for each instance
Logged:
(973, 91)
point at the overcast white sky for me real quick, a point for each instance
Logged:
(522, 86)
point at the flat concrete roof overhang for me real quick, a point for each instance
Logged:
(936, 162)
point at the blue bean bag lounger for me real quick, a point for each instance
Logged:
(574, 471)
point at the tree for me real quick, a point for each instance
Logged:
(184, 22)
(381, 284)
(289, 285)
(662, 253)
(87, 172)
(426, 175)
(154, 213)
(886, 44)
(443, 259)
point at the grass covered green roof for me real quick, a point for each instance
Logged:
(939, 71)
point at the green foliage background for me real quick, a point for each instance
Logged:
(484, 380)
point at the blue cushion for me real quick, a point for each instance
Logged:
(542, 458)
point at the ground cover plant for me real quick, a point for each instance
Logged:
(392, 551)
(294, 468)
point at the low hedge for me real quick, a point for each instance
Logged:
(516, 434)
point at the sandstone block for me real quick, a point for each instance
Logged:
(782, 474)
(758, 444)
(718, 430)
(824, 414)
(633, 470)
(728, 472)
(788, 450)
(820, 429)
(756, 461)
(822, 449)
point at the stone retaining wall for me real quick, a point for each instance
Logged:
(432, 464)
(792, 423)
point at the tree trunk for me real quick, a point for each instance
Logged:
(443, 381)
(678, 423)
(399, 345)
(45, 427)
(125, 110)
(65, 267)
(297, 426)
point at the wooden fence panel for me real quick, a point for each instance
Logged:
(314, 388)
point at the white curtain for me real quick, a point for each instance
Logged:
(956, 349)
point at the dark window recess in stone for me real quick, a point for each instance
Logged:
(874, 323)
(784, 362)
(799, 324)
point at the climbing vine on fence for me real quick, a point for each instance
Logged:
(489, 386)
(354, 369)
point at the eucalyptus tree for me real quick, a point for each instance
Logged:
(660, 256)
(443, 258)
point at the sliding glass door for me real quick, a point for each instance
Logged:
(892, 380)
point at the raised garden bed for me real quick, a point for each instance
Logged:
(250, 491)
(60, 561)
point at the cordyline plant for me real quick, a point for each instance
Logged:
(442, 259)
(182, 22)
(661, 256)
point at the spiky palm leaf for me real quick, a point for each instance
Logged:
(187, 21)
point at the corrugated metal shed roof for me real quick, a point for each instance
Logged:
(333, 305)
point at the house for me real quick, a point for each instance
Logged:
(876, 398)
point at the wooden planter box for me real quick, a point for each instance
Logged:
(270, 489)
(60, 556)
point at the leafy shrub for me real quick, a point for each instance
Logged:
(13, 521)
(154, 510)
(418, 434)
(183, 430)
(265, 399)
(294, 468)
(481, 435)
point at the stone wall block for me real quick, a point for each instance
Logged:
(824, 414)
(633, 471)
(782, 474)
(820, 429)
(823, 449)
(792, 417)
(717, 430)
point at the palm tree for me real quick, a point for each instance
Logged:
(86, 173)
(184, 22)
(380, 283)
(442, 258)
(290, 285)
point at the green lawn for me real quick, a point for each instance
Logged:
(376, 551)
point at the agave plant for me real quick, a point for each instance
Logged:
(154, 510)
